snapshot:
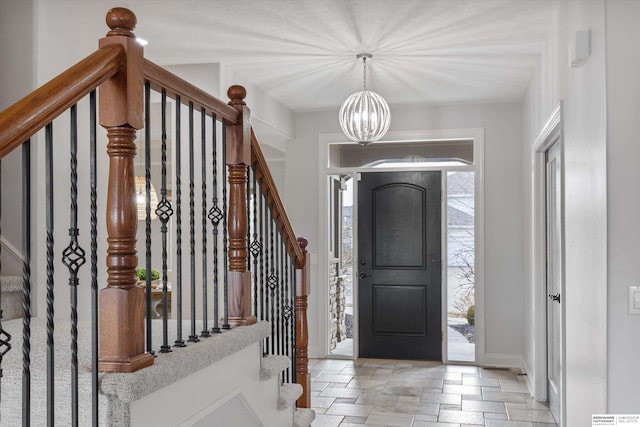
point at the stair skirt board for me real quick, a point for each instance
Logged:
(178, 387)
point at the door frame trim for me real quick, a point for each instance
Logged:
(551, 133)
(324, 140)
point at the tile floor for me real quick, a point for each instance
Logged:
(369, 392)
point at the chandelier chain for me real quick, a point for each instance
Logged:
(364, 72)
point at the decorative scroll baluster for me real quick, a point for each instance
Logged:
(276, 302)
(272, 282)
(94, 257)
(267, 255)
(73, 258)
(252, 294)
(215, 215)
(164, 212)
(255, 248)
(26, 283)
(193, 337)
(5, 337)
(48, 173)
(294, 326)
(283, 277)
(205, 284)
(287, 312)
(147, 221)
(225, 324)
(261, 243)
(179, 341)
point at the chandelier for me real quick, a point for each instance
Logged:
(364, 117)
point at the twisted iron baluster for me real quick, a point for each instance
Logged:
(192, 232)
(73, 258)
(205, 284)
(260, 243)
(254, 247)
(283, 277)
(147, 186)
(287, 311)
(164, 212)
(50, 328)
(5, 337)
(94, 258)
(225, 324)
(179, 341)
(215, 215)
(26, 283)
(294, 284)
(267, 227)
(273, 283)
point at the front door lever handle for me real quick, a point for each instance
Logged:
(362, 275)
(555, 297)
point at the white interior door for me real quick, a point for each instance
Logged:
(554, 279)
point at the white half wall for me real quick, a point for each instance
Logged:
(503, 208)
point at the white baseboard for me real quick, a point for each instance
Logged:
(506, 361)
(315, 353)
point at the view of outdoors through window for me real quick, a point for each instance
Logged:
(461, 266)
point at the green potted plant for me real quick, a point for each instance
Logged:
(141, 275)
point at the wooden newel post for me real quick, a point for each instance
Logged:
(238, 145)
(121, 308)
(303, 288)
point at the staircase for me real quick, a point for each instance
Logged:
(231, 350)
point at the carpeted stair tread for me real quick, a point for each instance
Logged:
(272, 365)
(303, 417)
(289, 393)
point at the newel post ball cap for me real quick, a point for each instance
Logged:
(236, 94)
(302, 242)
(121, 21)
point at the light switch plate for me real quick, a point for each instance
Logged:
(634, 299)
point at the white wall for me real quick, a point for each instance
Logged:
(583, 93)
(503, 207)
(18, 79)
(623, 175)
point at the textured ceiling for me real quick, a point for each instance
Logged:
(302, 53)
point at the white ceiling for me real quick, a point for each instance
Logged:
(302, 52)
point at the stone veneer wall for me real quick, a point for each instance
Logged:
(338, 328)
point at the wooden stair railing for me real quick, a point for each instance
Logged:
(119, 70)
(298, 248)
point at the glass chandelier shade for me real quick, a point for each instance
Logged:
(364, 116)
(141, 199)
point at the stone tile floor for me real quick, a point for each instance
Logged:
(370, 392)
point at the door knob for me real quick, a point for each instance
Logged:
(555, 297)
(362, 275)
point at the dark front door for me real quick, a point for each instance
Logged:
(399, 265)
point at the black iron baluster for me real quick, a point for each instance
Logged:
(73, 258)
(248, 195)
(164, 212)
(205, 284)
(48, 173)
(294, 284)
(5, 337)
(215, 215)
(225, 324)
(179, 341)
(192, 232)
(261, 253)
(147, 179)
(287, 309)
(26, 283)
(268, 251)
(254, 247)
(273, 282)
(282, 289)
(94, 257)
(278, 303)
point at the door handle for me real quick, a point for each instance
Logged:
(362, 275)
(555, 297)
